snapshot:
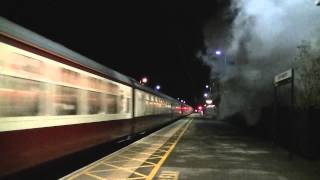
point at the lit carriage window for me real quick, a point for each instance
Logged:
(121, 104)
(70, 77)
(24, 64)
(111, 104)
(66, 100)
(94, 100)
(19, 97)
(128, 105)
(95, 83)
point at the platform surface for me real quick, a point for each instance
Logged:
(197, 148)
(216, 150)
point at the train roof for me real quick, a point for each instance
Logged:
(24, 35)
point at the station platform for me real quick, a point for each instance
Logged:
(197, 148)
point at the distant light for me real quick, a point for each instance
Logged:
(205, 94)
(218, 52)
(178, 98)
(209, 101)
(181, 101)
(199, 108)
(157, 87)
(144, 80)
(207, 86)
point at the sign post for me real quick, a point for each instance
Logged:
(279, 80)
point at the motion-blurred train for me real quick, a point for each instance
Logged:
(54, 102)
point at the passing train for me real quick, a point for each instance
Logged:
(55, 102)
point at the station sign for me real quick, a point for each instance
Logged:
(283, 78)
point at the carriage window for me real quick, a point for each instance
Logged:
(111, 103)
(128, 105)
(66, 100)
(70, 77)
(94, 100)
(95, 83)
(19, 97)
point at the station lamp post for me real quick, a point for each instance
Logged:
(157, 87)
(144, 80)
(219, 53)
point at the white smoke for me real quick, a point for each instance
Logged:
(263, 42)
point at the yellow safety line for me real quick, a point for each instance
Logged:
(137, 160)
(158, 149)
(107, 170)
(124, 169)
(139, 152)
(155, 157)
(159, 164)
(94, 176)
(137, 178)
(143, 153)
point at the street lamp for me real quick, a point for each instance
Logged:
(207, 86)
(144, 80)
(205, 95)
(158, 87)
(219, 53)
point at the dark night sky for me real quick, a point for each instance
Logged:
(154, 40)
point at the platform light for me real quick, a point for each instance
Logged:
(144, 80)
(209, 101)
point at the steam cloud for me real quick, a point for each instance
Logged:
(262, 42)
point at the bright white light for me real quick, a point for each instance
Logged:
(209, 101)
(158, 87)
(218, 52)
(207, 86)
(205, 94)
(144, 80)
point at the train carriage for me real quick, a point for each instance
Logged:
(54, 102)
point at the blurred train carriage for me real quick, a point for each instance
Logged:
(54, 102)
